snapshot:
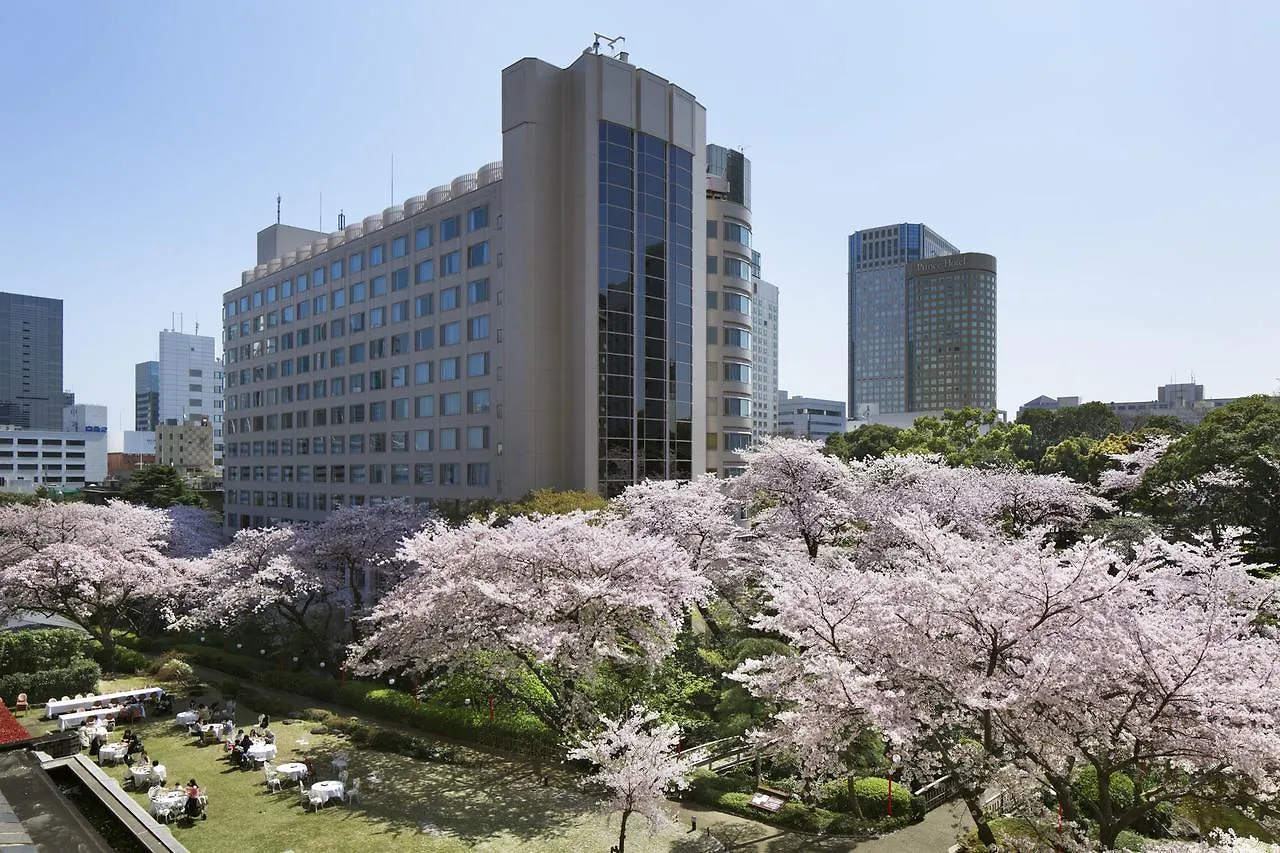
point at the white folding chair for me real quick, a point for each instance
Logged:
(315, 799)
(353, 793)
(272, 779)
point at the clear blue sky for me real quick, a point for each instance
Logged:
(1120, 159)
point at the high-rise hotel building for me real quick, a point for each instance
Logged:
(530, 325)
(922, 323)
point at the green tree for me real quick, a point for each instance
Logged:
(553, 502)
(1073, 458)
(160, 487)
(1242, 438)
(1053, 426)
(866, 442)
(968, 438)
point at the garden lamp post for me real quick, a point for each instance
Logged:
(894, 759)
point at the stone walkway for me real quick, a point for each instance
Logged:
(718, 831)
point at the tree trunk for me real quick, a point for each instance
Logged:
(622, 831)
(852, 784)
(973, 801)
(107, 637)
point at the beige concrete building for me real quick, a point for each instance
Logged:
(529, 325)
(730, 287)
(187, 445)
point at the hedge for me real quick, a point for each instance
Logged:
(518, 731)
(80, 677)
(872, 793)
(127, 660)
(44, 648)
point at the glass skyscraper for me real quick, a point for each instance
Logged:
(31, 393)
(878, 352)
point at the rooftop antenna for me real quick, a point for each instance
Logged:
(610, 43)
(278, 199)
(342, 220)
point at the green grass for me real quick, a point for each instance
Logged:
(487, 804)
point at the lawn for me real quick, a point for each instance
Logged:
(485, 802)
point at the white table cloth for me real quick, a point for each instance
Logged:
(75, 718)
(141, 774)
(98, 730)
(112, 752)
(262, 751)
(171, 802)
(62, 706)
(294, 770)
(331, 789)
(186, 718)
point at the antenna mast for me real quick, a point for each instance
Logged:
(278, 208)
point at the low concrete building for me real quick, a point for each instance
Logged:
(186, 446)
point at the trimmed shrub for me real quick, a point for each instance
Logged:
(80, 677)
(873, 797)
(175, 670)
(1086, 790)
(706, 786)
(127, 660)
(42, 648)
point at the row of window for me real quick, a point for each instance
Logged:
(395, 474)
(423, 238)
(43, 442)
(477, 364)
(398, 441)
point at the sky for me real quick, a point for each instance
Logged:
(1119, 159)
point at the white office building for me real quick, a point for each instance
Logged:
(810, 417)
(189, 383)
(60, 460)
(764, 359)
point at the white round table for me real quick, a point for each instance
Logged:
(295, 770)
(112, 752)
(170, 801)
(262, 751)
(186, 718)
(141, 774)
(330, 789)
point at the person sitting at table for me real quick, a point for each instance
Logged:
(227, 728)
(159, 773)
(245, 760)
(269, 736)
(95, 744)
(135, 746)
(264, 720)
(311, 771)
(194, 808)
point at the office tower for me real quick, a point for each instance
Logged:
(764, 359)
(951, 332)
(190, 383)
(146, 396)
(878, 259)
(810, 417)
(731, 276)
(31, 390)
(529, 325)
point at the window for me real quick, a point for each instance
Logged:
(424, 271)
(477, 473)
(399, 246)
(423, 475)
(356, 322)
(478, 438)
(736, 442)
(424, 339)
(355, 382)
(736, 371)
(737, 268)
(449, 473)
(378, 411)
(400, 279)
(400, 441)
(448, 369)
(399, 375)
(478, 291)
(478, 328)
(478, 217)
(478, 401)
(400, 474)
(378, 285)
(450, 262)
(737, 233)
(712, 229)
(737, 302)
(449, 298)
(449, 229)
(451, 403)
(478, 364)
(335, 271)
(339, 298)
(400, 409)
(424, 406)
(422, 373)
(377, 380)
(713, 265)
(422, 440)
(737, 406)
(424, 305)
(320, 304)
(355, 263)
(377, 442)
(356, 355)
(359, 292)
(450, 333)
(735, 337)
(423, 238)
(478, 255)
(376, 255)
(449, 438)
(377, 317)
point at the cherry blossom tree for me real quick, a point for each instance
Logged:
(1133, 466)
(702, 518)
(976, 653)
(352, 554)
(551, 598)
(798, 492)
(102, 567)
(194, 531)
(635, 759)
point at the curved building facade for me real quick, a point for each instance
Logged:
(951, 332)
(731, 276)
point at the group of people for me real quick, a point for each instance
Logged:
(238, 748)
(195, 802)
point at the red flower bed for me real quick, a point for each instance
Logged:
(10, 729)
